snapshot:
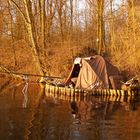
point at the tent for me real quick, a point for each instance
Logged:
(92, 72)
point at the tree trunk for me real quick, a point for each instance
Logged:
(100, 34)
(132, 21)
(71, 16)
(59, 5)
(42, 27)
(12, 35)
(30, 28)
(112, 43)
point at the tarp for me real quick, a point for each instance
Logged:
(92, 72)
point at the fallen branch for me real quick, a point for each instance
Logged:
(5, 70)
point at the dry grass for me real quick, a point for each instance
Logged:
(59, 58)
(23, 53)
(127, 61)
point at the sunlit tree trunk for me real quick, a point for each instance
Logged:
(65, 19)
(71, 16)
(112, 37)
(30, 28)
(132, 25)
(12, 34)
(37, 21)
(50, 12)
(100, 34)
(59, 5)
(28, 18)
(42, 27)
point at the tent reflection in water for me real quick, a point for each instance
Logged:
(92, 72)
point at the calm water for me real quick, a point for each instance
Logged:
(35, 115)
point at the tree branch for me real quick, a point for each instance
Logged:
(23, 15)
(8, 71)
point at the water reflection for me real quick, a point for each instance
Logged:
(51, 116)
(74, 108)
(5, 84)
(131, 103)
(25, 93)
(102, 111)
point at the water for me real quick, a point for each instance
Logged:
(36, 115)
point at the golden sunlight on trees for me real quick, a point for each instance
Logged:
(49, 34)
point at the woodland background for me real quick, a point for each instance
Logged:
(44, 36)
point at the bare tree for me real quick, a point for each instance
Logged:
(59, 6)
(50, 13)
(101, 37)
(29, 21)
(12, 33)
(71, 15)
(112, 37)
(99, 4)
(42, 26)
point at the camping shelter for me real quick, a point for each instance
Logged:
(91, 72)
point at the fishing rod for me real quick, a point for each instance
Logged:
(36, 75)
